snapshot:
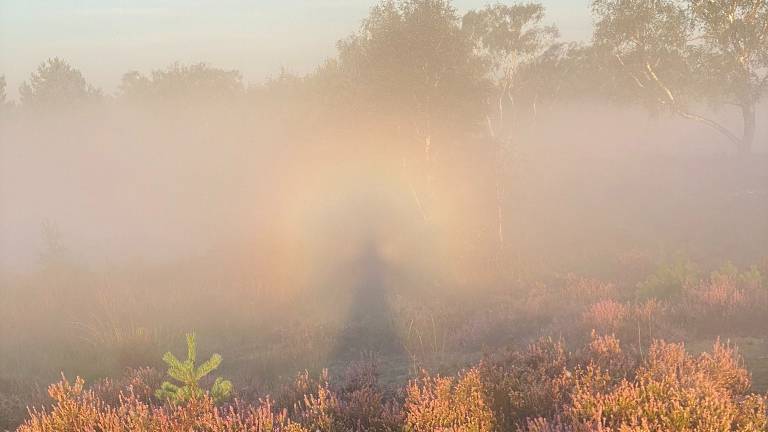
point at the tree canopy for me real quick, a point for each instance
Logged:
(412, 62)
(183, 82)
(419, 71)
(56, 83)
(678, 54)
(2, 89)
(508, 38)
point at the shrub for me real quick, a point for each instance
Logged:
(580, 289)
(652, 320)
(141, 382)
(320, 409)
(78, 409)
(538, 390)
(606, 316)
(448, 404)
(541, 424)
(672, 391)
(604, 352)
(15, 395)
(189, 376)
(358, 406)
(668, 280)
(526, 384)
(730, 300)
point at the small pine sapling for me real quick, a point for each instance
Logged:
(189, 376)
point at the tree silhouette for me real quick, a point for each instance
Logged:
(734, 53)
(2, 90)
(675, 54)
(412, 64)
(56, 83)
(181, 82)
(506, 37)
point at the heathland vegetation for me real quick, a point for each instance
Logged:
(459, 222)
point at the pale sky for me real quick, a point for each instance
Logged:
(106, 38)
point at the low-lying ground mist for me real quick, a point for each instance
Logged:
(527, 231)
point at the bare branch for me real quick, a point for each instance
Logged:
(714, 125)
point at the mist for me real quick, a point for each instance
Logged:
(118, 185)
(450, 193)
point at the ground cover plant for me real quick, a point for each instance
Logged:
(544, 388)
(602, 357)
(446, 217)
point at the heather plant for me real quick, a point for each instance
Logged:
(671, 391)
(719, 297)
(541, 424)
(15, 396)
(750, 281)
(359, 405)
(605, 352)
(76, 408)
(140, 382)
(541, 389)
(366, 410)
(291, 395)
(651, 320)
(581, 289)
(319, 409)
(544, 388)
(729, 300)
(527, 384)
(189, 377)
(606, 316)
(448, 404)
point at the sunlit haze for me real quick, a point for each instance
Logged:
(384, 216)
(256, 37)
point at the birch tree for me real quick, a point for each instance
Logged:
(678, 55)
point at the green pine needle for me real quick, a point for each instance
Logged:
(189, 377)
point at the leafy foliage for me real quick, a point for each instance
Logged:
(508, 38)
(412, 63)
(675, 53)
(56, 83)
(183, 83)
(668, 280)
